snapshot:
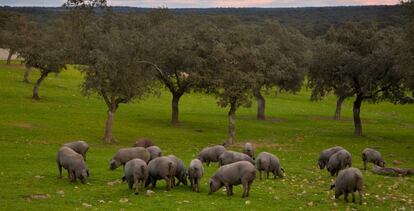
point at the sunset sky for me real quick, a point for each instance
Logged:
(209, 3)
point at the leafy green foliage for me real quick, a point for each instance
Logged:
(14, 29)
(282, 53)
(112, 65)
(362, 61)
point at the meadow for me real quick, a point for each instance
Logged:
(296, 130)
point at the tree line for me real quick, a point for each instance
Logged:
(128, 56)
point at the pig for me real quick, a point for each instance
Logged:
(74, 163)
(180, 170)
(248, 149)
(373, 156)
(348, 181)
(268, 162)
(136, 173)
(80, 147)
(231, 156)
(126, 154)
(154, 152)
(160, 168)
(195, 172)
(241, 172)
(338, 161)
(326, 154)
(211, 154)
(143, 142)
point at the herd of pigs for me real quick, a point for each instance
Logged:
(144, 164)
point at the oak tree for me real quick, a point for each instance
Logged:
(281, 60)
(112, 69)
(361, 61)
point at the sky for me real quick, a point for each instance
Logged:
(208, 3)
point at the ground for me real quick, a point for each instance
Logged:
(296, 131)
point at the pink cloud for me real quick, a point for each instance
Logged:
(245, 3)
(241, 3)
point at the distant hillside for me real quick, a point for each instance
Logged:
(312, 21)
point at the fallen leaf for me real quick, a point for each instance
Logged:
(87, 205)
(150, 193)
(115, 182)
(38, 196)
(123, 200)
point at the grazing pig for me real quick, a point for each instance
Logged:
(143, 142)
(268, 162)
(73, 162)
(248, 149)
(126, 154)
(349, 181)
(373, 156)
(242, 172)
(211, 154)
(231, 156)
(136, 173)
(160, 168)
(195, 172)
(154, 152)
(326, 154)
(180, 171)
(80, 147)
(338, 161)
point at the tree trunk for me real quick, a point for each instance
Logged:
(27, 74)
(108, 126)
(337, 115)
(43, 75)
(232, 124)
(357, 118)
(261, 104)
(9, 57)
(174, 107)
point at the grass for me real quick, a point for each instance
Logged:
(297, 130)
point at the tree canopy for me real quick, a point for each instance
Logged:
(361, 61)
(176, 47)
(281, 60)
(112, 68)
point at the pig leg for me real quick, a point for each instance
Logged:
(168, 182)
(346, 197)
(60, 170)
(360, 196)
(353, 197)
(228, 189)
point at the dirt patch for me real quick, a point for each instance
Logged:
(275, 120)
(329, 118)
(36, 197)
(407, 125)
(259, 145)
(23, 125)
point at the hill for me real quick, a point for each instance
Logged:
(312, 21)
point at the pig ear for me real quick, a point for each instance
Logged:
(123, 179)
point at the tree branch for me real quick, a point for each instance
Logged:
(161, 75)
